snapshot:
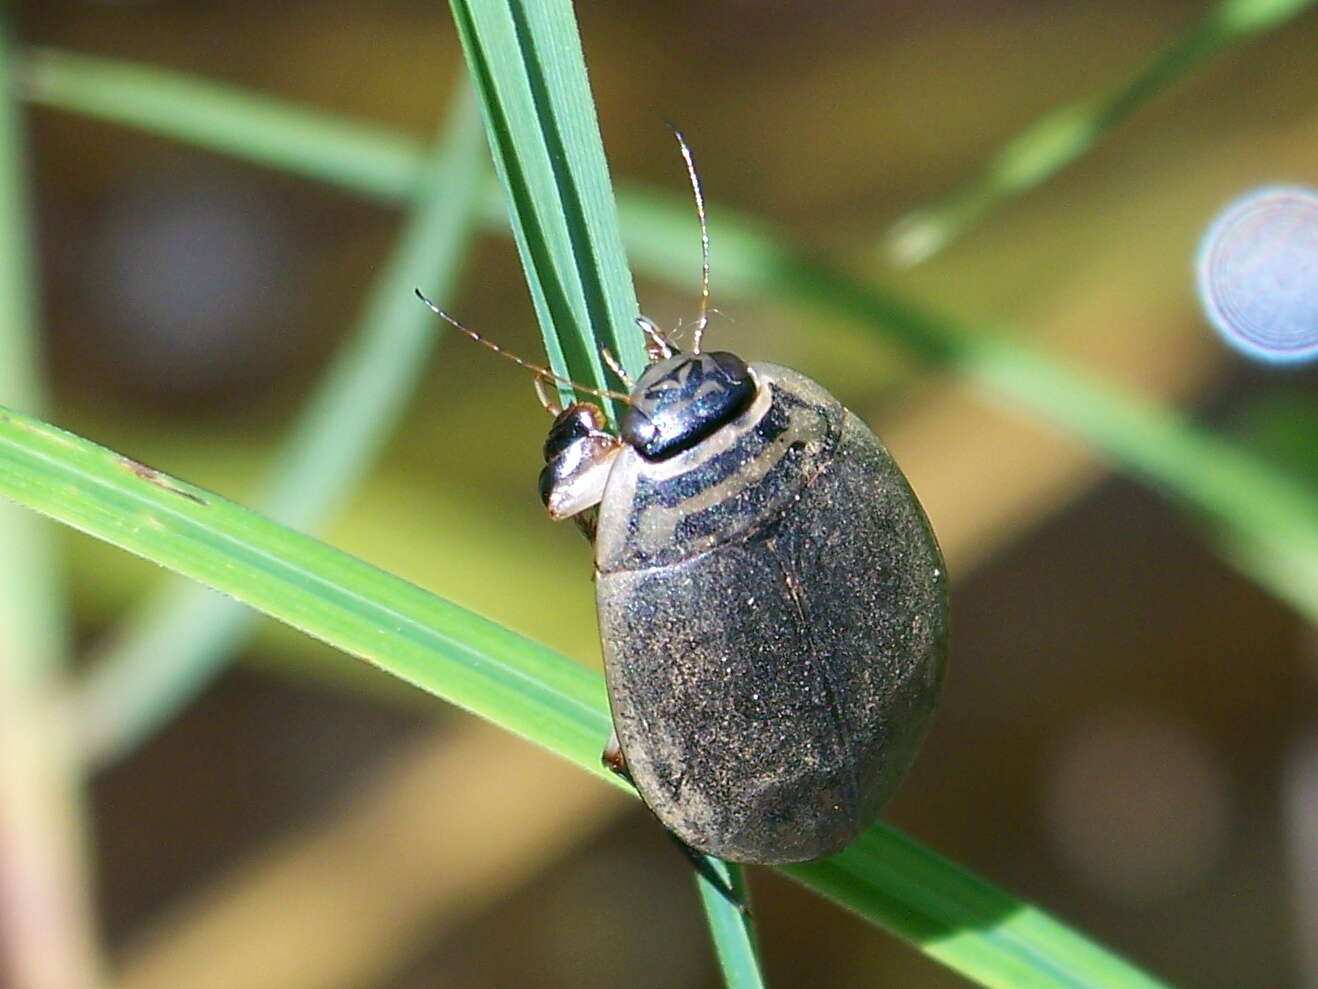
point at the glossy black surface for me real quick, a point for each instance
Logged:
(572, 424)
(680, 401)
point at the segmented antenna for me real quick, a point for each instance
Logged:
(703, 321)
(541, 372)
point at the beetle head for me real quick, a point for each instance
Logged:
(679, 401)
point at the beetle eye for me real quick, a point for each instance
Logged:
(680, 401)
(572, 424)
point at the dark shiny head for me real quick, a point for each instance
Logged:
(680, 401)
(577, 421)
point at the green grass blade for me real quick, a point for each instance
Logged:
(167, 652)
(47, 926)
(524, 687)
(303, 582)
(1195, 468)
(959, 919)
(1060, 137)
(525, 58)
(734, 937)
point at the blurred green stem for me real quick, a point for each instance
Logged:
(1061, 136)
(166, 653)
(47, 930)
(525, 59)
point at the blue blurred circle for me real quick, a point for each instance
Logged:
(1258, 274)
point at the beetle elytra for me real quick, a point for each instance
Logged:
(772, 600)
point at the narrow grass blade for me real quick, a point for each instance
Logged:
(1050, 144)
(1194, 467)
(524, 687)
(959, 920)
(525, 58)
(307, 584)
(731, 929)
(167, 652)
(47, 930)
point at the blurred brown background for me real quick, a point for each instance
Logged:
(1128, 735)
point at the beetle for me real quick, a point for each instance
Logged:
(772, 600)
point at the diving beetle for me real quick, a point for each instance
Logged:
(772, 600)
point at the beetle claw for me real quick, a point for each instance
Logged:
(615, 762)
(613, 759)
(706, 871)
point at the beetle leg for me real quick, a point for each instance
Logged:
(613, 759)
(706, 871)
(587, 522)
(615, 762)
(547, 398)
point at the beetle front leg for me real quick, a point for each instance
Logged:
(613, 759)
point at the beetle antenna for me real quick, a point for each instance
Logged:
(542, 373)
(703, 321)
